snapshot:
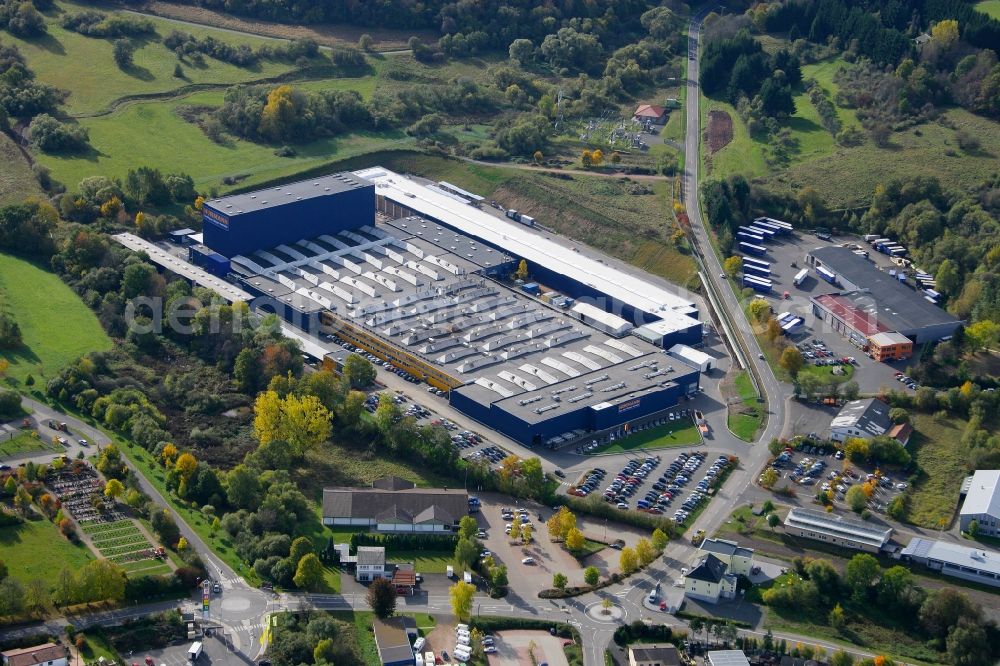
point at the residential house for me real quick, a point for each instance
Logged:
(648, 113)
(709, 580)
(46, 654)
(738, 560)
(727, 658)
(370, 563)
(654, 654)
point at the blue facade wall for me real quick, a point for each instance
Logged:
(690, 336)
(287, 222)
(584, 418)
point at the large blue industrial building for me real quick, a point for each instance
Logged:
(427, 286)
(245, 223)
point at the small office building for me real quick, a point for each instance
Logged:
(982, 503)
(836, 530)
(971, 563)
(865, 418)
(738, 560)
(710, 580)
(890, 346)
(727, 658)
(654, 654)
(46, 654)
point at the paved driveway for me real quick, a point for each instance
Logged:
(513, 649)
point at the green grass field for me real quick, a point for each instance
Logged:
(938, 451)
(672, 434)
(17, 182)
(24, 443)
(96, 646)
(991, 7)
(36, 549)
(825, 373)
(152, 133)
(85, 67)
(56, 326)
(744, 424)
(741, 155)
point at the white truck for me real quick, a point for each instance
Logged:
(195, 651)
(451, 571)
(800, 276)
(467, 577)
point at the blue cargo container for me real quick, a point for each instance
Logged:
(757, 270)
(760, 263)
(749, 237)
(751, 248)
(827, 275)
(531, 288)
(763, 224)
(761, 231)
(757, 284)
(785, 227)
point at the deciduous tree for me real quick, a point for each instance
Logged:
(591, 575)
(559, 581)
(574, 540)
(309, 573)
(461, 595)
(381, 597)
(628, 561)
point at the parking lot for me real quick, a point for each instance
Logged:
(815, 467)
(471, 445)
(656, 494)
(214, 652)
(786, 255)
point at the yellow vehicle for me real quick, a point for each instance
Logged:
(698, 537)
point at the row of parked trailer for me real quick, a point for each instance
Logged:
(790, 323)
(886, 246)
(751, 239)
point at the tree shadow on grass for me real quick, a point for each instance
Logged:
(49, 43)
(138, 72)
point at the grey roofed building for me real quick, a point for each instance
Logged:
(727, 658)
(957, 560)
(392, 638)
(710, 569)
(725, 547)
(836, 530)
(371, 555)
(658, 654)
(322, 186)
(865, 418)
(982, 502)
(395, 505)
(889, 302)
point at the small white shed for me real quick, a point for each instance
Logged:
(693, 357)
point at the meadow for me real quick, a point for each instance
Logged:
(937, 449)
(36, 549)
(56, 326)
(22, 443)
(745, 422)
(17, 182)
(991, 7)
(85, 67)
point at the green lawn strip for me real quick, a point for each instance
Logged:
(742, 155)
(146, 567)
(825, 373)
(937, 449)
(589, 548)
(990, 7)
(36, 549)
(364, 634)
(17, 181)
(745, 425)
(53, 335)
(823, 72)
(97, 645)
(424, 561)
(672, 434)
(85, 66)
(744, 523)
(25, 442)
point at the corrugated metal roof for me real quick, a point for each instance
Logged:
(984, 494)
(521, 241)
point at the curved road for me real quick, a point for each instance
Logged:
(242, 608)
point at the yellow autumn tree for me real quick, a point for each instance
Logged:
(301, 421)
(186, 465)
(945, 33)
(597, 157)
(280, 113)
(199, 201)
(169, 454)
(110, 208)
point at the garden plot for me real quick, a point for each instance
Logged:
(111, 533)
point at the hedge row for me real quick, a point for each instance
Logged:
(488, 624)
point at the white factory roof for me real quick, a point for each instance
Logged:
(953, 553)
(984, 494)
(202, 278)
(610, 321)
(519, 240)
(697, 358)
(727, 658)
(838, 526)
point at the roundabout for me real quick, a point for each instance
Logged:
(613, 614)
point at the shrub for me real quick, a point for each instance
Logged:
(52, 136)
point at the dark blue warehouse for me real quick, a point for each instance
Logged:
(245, 223)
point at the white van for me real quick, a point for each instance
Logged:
(428, 658)
(462, 627)
(419, 644)
(195, 651)
(462, 656)
(419, 659)
(464, 640)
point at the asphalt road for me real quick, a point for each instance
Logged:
(241, 609)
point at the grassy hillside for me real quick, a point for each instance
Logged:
(55, 324)
(991, 7)
(937, 449)
(154, 134)
(742, 155)
(16, 179)
(85, 67)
